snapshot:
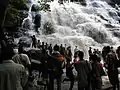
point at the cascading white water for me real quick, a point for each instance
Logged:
(79, 25)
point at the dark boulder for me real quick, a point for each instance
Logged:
(35, 8)
(25, 41)
(37, 20)
(35, 54)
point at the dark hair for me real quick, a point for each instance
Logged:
(94, 57)
(75, 54)
(56, 48)
(80, 54)
(108, 49)
(33, 35)
(7, 53)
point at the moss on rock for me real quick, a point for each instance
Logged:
(15, 13)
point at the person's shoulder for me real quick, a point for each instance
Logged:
(111, 54)
(12, 66)
(24, 55)
(16, 55)
(85, 62)
(55, 53)
(78, 62)
(18, 65)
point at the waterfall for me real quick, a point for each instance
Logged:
(79, 25)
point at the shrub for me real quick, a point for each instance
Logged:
(48, 28)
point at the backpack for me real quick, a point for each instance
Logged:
(61, 59)
(57, 65)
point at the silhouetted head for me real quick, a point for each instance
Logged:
(61, 45)
(65, 45)
(90, 48)
(56, 48)
(7, 53)
(34, 36)
(38, 41)
(111, 48)
(81, 55)
(42, 43)
(69, 48)
(94, 57)
(46, 43)
(108, 49)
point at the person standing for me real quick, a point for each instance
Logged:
(39, 45)
(112, 67)
(69, 74)
(97, 72)
(22, 58)
(75, 50)
(69, 53)
(34, 41)
(83, 69)
(90, 51)
(12, 75)
(118, 52)
(57, 71)
(50, 49)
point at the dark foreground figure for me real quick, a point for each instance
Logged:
(112, 66)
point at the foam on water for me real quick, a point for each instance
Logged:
(79, 25)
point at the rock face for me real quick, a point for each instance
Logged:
(3, 5)
(112, 2)
(15, 13)
(35, 8)
(26, 41)
(116, 1)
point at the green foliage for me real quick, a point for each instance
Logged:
(83, 2)
(42, 6)
(14, 14)
(48, 28)
(45, 7)
(18, 4)
(35, 8)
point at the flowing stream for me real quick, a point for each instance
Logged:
(96, 24)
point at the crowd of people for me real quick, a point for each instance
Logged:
(16, 67)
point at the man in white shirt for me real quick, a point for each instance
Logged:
(12, 75)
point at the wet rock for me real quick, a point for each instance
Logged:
(116, 34)
(15, 13)
(35, 8)
(35, 54)
(26, 41)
